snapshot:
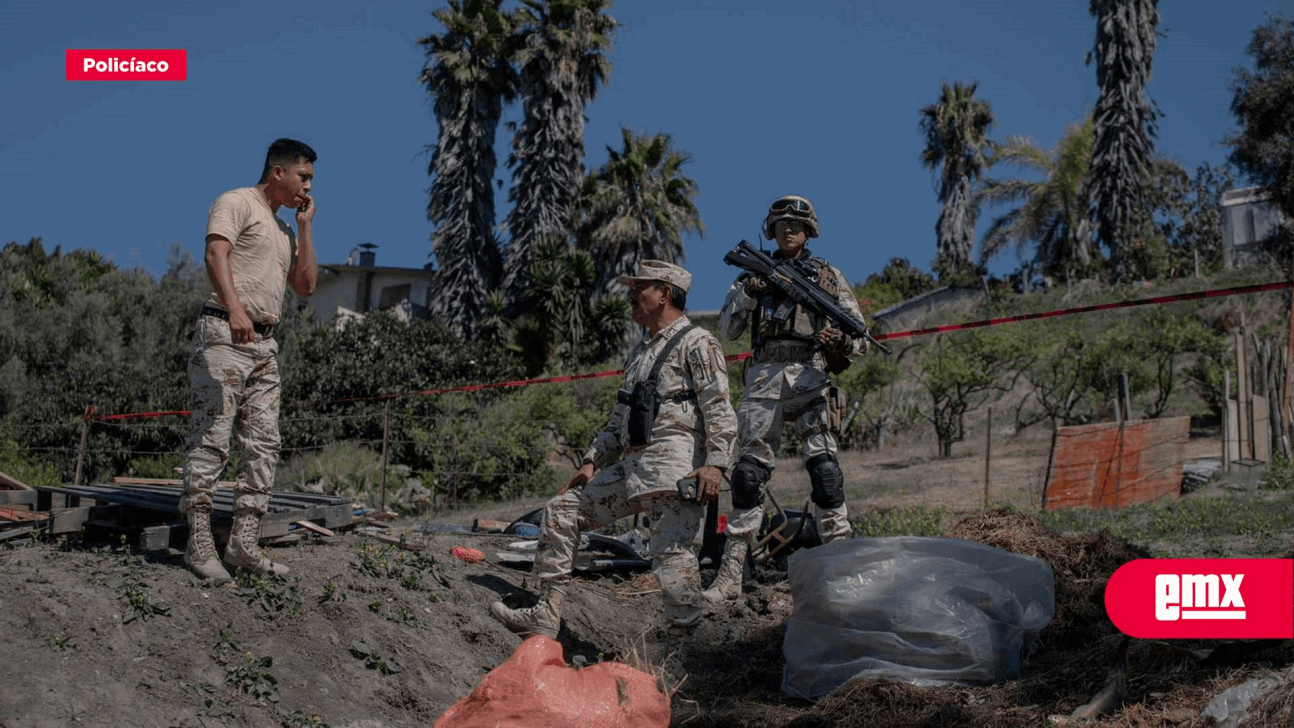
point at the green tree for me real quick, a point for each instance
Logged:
(1125, 119)
(1054, 213)
(960, 372)
(955, 129)
(1263, 105)
(469, 76)
(567, 323)
(562, 61)
(638, 206)
(873, 400)
(1063, 377)
(76, 331)
(898, 281)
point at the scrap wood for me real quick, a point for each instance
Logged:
(307, 525)
(8, 482)
(21, 514)
(402, 543)
(486, 525)
(9, 533)
(123, 480)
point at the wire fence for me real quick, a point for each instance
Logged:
(172, 425)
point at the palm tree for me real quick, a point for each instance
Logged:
(1125, 121)
(469, 77)
(1054, 213)
(563, 60)
(565, 323)
(638, 206)
(956, 128)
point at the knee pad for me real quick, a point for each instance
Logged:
(748, 479)
(827, 480)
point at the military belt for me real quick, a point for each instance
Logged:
(786, 350)
(223, 315)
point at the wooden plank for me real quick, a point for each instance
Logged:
(8, 533)
(21, 514)
(277, 497)
(129, 481)
(8, 482)
(1262, 429)
(70, 520)
(160, 537)
(312, 527)
(18, 498)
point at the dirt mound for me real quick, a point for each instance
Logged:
(369, 634)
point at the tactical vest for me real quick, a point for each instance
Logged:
(778, 318)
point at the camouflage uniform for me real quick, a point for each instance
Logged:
(230, 380)
(687, 434)
(237, 381)
(786, 380)
(227, 379)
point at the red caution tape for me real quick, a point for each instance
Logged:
(1157, 300)
(1216, 293)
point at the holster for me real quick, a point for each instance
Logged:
(643, 407)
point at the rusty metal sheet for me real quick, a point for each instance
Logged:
(1112, 465)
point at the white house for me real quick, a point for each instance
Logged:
(359, 285)
(1247, 220)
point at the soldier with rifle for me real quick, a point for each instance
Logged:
(804, 322)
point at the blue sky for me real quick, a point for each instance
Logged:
(819, 99)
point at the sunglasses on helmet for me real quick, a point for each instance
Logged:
(790, 203)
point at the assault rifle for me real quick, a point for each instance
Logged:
(789, 277)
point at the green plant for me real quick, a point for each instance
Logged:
(297, 719)
(372, 660)
(386, 561)
(247, 674)
(914, 521)
(274, 593)
(1279, 475)
(251, 676)
(138, 603)
(60, 643)
(332, 592)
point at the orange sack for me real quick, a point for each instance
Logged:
(535, 689)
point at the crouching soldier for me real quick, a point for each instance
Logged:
(673, 421)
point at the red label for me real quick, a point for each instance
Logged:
(142, 64)
(1203, 598)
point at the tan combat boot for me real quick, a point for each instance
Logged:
(544, 618)
(201, 556)
(242, 551)
(727, 583)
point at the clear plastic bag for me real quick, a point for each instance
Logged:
(929, 611)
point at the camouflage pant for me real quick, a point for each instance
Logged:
(676, 535)
(770, 400)
(230, 382)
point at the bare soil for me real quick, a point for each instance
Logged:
(371, 634)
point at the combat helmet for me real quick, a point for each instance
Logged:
(791, 207)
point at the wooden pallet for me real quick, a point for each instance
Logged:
(153, 511)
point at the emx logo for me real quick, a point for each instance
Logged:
(1203, 598)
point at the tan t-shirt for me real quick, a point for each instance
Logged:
(264, 247)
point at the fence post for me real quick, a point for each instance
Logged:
(386, 438)
(988, 450)
(1289, 368)
(1244, 437)
(80, 451)
(1226, 420)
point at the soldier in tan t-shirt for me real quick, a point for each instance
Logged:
(233, 371)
